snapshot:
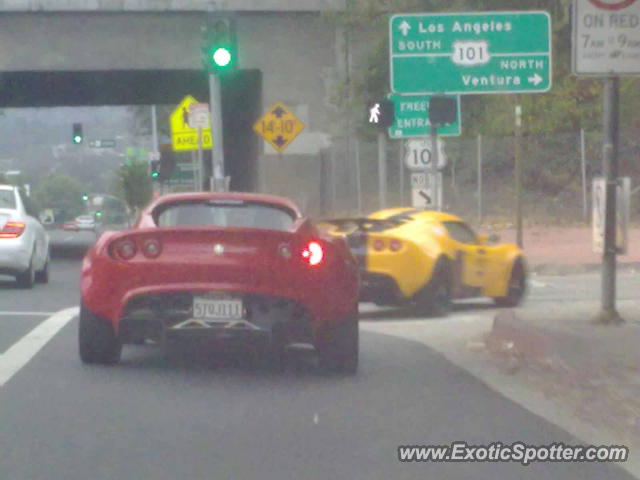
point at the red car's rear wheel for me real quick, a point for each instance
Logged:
(97, 340)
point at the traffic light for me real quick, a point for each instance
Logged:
(77, 134)
(85, 197)
(219, 52)
(442, 110)
(155, 169)
(381, 113)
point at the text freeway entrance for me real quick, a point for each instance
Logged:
(465, 53)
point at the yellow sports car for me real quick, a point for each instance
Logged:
(427, 258)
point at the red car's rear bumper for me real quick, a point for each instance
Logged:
(109, 286)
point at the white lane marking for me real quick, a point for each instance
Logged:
(21, 352)
(537, 284)
(316, 419)
(28, 314)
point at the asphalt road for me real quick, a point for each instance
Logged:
(220, 417)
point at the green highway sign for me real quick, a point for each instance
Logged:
(109, 143)
(182, 175)
(412, 117)
(466, 53)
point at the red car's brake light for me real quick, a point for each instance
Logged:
(12, 229)
(313, 254)
(125, 249)
(151, 248)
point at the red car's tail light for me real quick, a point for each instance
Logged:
(378, 244)
(12, 229)
(152, 249)
(313, 254)
(126, 249)
(395, 245)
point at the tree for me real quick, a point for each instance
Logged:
(62, 194)
(133, 184)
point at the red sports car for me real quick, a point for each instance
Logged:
(221, 267)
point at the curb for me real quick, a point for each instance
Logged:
(562, 269)
(509, 335)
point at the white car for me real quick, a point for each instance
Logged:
(85, 222)
(24, 243)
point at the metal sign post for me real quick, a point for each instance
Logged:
(434, 167)
(217, 153)
(382, 169)
(610, 110)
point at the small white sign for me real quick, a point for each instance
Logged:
(606, 37)
(599, 208)
(418, 154)
(422, 191)
(199, 116)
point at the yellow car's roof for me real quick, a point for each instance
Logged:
(426, 215)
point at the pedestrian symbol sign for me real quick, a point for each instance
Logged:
(278, 126)
(183, 137)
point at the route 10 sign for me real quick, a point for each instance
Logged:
(418, 154)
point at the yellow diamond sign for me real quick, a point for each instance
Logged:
(278, 126)
(183, 137)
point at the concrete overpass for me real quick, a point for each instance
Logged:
(115, 52)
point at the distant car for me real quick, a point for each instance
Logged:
(85, 222)
(24, 243)
(70, 226)
(427, 258)
(223, 267)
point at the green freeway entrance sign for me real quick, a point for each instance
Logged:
(488, 52)
(412, 117)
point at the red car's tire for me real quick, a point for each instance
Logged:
(338, 348)
(97, 340)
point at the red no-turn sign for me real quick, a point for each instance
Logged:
(612, 4)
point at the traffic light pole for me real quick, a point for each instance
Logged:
(217, 152)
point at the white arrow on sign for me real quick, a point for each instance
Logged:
(404, 28)
(535, 79)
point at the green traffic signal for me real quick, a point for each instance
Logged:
(85, 197)
(155, 174)
(221, 57)
(218, 45)
(77, 134)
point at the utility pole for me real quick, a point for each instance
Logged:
(610, 119)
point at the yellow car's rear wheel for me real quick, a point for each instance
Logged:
(435, 298)
(516, 288)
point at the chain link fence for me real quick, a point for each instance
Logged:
(558, 169)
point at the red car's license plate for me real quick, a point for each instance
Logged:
(223, 308)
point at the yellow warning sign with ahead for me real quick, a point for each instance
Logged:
(279, 126)
(183, 137)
